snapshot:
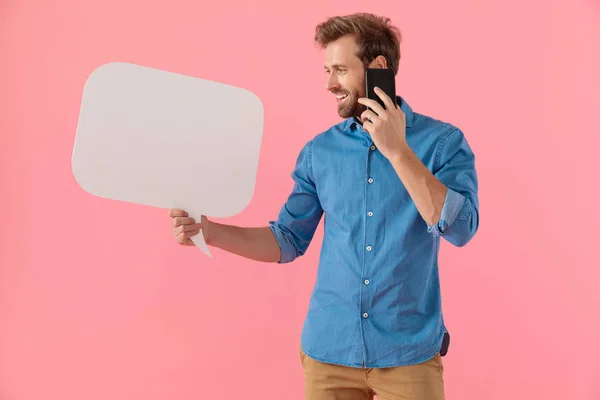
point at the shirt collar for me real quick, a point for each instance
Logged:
(350, 122)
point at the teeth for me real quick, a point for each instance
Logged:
(341, 96)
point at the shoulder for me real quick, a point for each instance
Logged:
(325, 138)
(441, 133)
(434, 126)
(319, 140)
(332, 132)
(447, 140)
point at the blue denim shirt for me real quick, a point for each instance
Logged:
(376, 301)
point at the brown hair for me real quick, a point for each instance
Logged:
(374, 36)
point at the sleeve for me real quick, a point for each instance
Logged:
(455, 163)
(300, 215)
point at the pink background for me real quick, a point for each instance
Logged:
(97, 301)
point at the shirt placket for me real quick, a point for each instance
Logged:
(369, 248)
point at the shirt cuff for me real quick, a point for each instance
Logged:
(286, 246)
(452, 205)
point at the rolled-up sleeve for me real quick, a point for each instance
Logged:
(300, 215)
(455, 168)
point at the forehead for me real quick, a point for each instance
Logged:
(341, 52)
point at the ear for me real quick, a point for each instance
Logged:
(378, 62)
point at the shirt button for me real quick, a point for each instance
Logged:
(369, 248)
(370, 213)
(373, 147)
(367, 281)
(365, 315)
(370, 180)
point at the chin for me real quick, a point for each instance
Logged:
(347, 112)
(344, 114)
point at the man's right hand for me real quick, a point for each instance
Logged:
(185, 227)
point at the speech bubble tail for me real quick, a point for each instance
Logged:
(201, 243)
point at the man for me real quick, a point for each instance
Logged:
(391, 183)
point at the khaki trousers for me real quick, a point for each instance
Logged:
(334, 382)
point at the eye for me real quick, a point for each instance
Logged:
(341, 71)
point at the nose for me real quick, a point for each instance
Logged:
(332, 82)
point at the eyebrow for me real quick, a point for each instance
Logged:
(336, 66)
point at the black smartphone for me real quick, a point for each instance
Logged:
(382, 78)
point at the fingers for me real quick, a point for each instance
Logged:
(368, 126)
(183, 238)
(389, 104)
(189, 227)
(373, 105)
(399, 110)
(368, 115)
(183, 233)
(184, 227)
(192, 229)
(176, 212)
(177, 221)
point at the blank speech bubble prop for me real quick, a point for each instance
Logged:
(167, 140)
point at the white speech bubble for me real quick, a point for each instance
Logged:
(167, 140)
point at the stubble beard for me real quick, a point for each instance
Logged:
(351, 107)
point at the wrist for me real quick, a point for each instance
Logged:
(209, 231)
(402, 153)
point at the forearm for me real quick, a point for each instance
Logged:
(258, 244)
(446, 200)
(426, 191)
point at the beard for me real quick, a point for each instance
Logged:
(350, 107)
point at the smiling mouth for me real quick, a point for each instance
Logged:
(341, 97)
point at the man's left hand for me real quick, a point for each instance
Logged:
(386, 126)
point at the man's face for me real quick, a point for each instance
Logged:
(345, 76)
